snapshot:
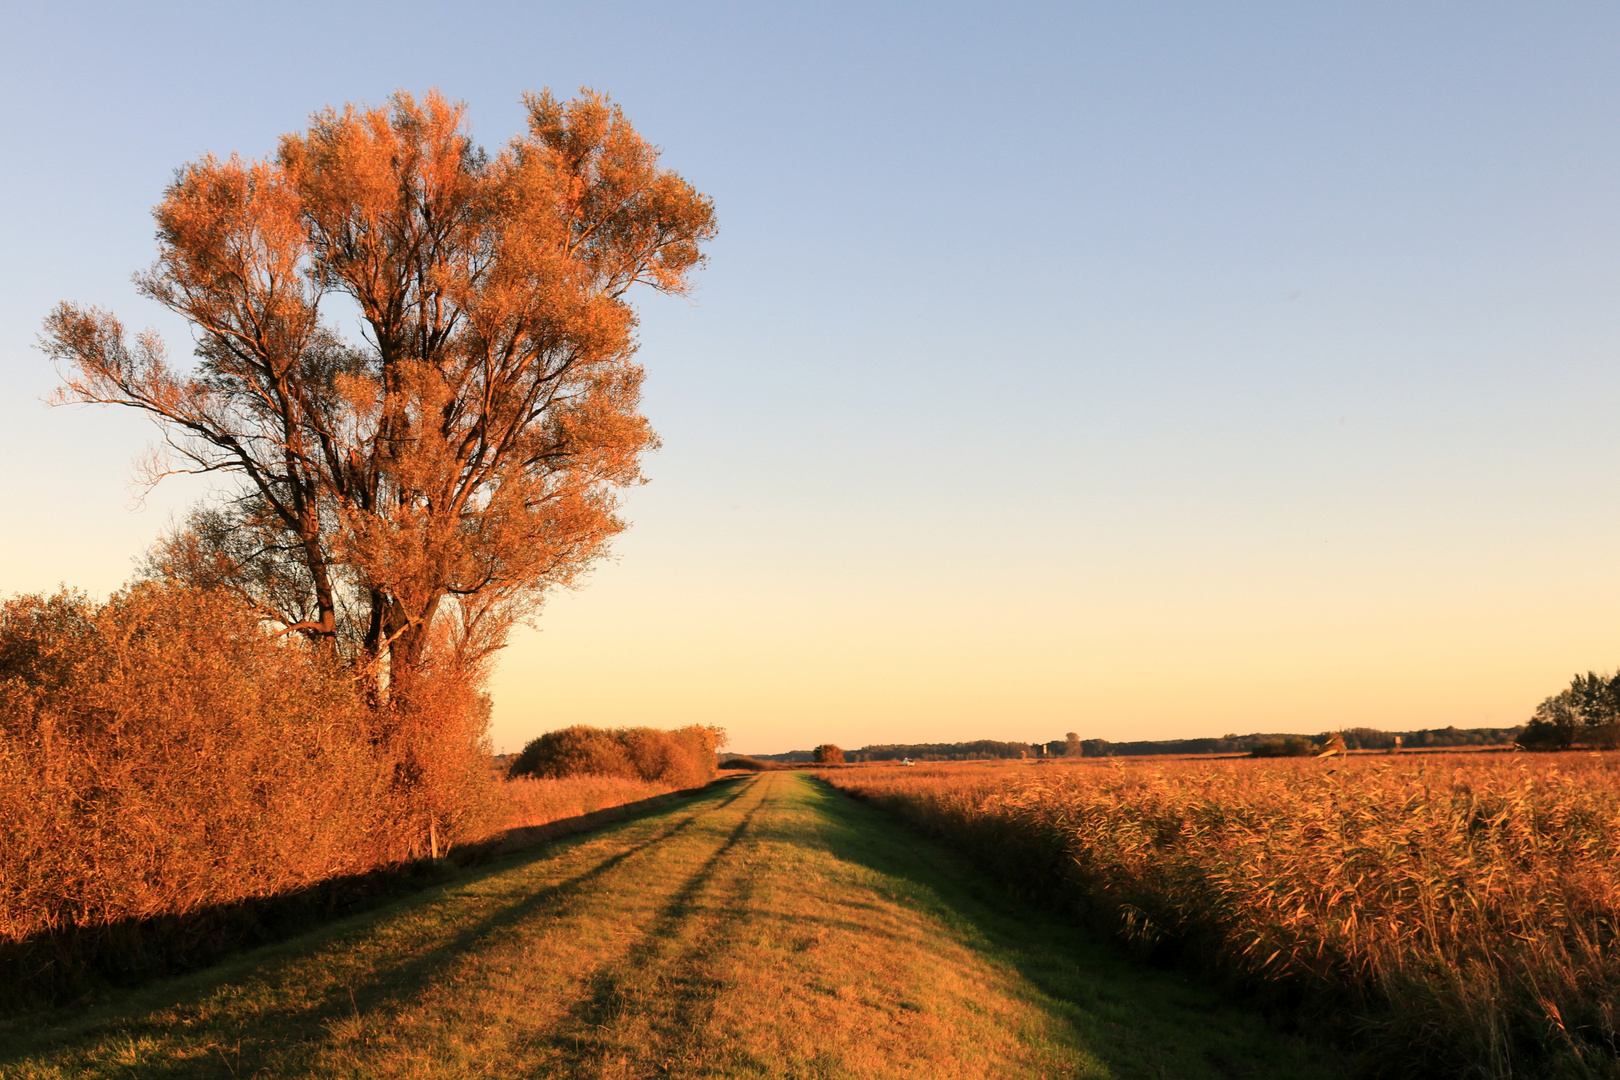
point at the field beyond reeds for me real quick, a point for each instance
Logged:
(1451, 915)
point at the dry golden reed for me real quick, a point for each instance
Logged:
(528, 800)
(1458, 913)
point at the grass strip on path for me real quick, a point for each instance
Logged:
(770, 927)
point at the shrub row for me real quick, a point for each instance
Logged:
(683, 758)
(160, 753)
(162, 756)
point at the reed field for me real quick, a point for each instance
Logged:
(1447, 914)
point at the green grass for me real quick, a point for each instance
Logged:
(769, 927)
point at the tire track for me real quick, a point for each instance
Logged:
(389, 988)
(633, 1009)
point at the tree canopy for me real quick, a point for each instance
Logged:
(1588, 711)
(406, 496)
(828, 754)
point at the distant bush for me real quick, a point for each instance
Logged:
(683, 758)
(828, 754)
(1283, 748)
(1541, 734)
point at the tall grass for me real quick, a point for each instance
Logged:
(527, 800)
(1456, 915)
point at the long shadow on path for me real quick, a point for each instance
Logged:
(299, 1018)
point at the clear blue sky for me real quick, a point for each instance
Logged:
(1139, 370)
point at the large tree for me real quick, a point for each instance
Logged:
(404, 497)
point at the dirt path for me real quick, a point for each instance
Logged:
(767, 928)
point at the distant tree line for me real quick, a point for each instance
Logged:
(1586, 713)
(752, 764)
(976, 750)
(1360, 738)
(1072, 745)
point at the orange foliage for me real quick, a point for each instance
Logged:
(403, 501)
(160, 753)
(828, 754)
(176, 782)
(408, 497)
(683, 758)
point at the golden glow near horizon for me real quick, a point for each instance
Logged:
(1172, 657)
